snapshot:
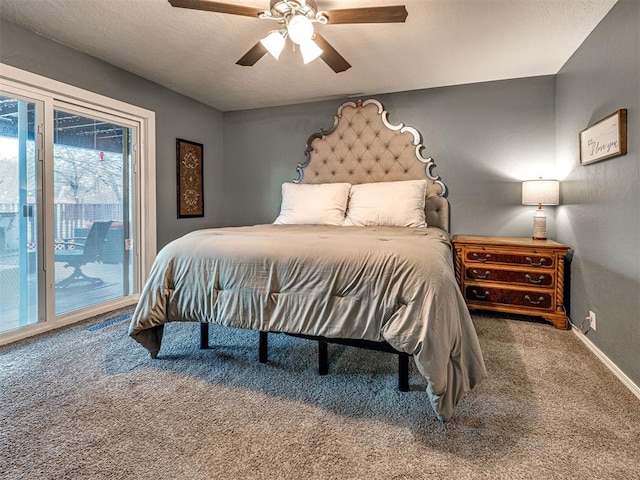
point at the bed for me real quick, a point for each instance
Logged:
(360, 252)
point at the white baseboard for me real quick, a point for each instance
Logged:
(608, 363)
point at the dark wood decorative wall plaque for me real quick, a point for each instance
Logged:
(189, 177)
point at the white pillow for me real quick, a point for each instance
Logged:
(313, 204)
(394, 204)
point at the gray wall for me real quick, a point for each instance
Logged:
(176, 117)
(485, 138)
(600, 215)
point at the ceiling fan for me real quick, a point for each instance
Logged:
(296, 18)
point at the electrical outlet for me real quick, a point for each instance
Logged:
(592, 320)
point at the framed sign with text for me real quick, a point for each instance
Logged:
(189, 179)
(604, 139)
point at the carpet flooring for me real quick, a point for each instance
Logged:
(87, 402)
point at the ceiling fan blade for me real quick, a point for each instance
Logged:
(218, 7)
(392, 14)
(330, 55)
(253, 55)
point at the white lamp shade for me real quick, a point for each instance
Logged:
(541, 192)
(274, 43)
(300, 29)
(310, 51)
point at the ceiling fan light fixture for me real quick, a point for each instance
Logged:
(296, 19)
(274, 43)
(310, 51)
(300, 29)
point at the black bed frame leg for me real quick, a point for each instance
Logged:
(263, 347)
(204, 336)
(323, 358)
(403, 372)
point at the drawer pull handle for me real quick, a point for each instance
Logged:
(478, 296)
(481, 277)
(531, 280)
(533, 302)
(540, 262)
(486, 257)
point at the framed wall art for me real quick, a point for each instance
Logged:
(189, 178)
(604, 139)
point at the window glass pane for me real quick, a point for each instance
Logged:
(18, 214)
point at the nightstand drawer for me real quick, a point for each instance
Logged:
(529, 299)
(532, 259)
(487, 274)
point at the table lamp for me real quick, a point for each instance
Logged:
(540, 192)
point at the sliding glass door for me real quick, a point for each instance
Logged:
(20, 231)
(72, 222)
(92, 217)
(92, 159)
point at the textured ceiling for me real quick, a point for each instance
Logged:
(443, 42)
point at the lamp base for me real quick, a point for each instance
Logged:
(539, 225)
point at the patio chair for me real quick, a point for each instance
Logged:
(78, 252)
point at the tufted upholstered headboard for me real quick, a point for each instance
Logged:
(363, 147)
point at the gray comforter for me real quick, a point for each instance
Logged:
(373, 283)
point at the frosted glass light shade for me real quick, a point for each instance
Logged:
(274, 43)
(300, 29)
(541, 192)
(310, 51)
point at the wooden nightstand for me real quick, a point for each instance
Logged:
(513, 275)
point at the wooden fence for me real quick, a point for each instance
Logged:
(67, 217)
